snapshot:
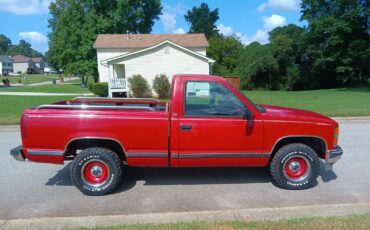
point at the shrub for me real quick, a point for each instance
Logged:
(100, 89)
(139, 86)
(162, 86)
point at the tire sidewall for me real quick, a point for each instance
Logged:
(77, 173)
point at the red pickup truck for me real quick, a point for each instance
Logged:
(208, 123)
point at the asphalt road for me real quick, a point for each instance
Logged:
(29, 190)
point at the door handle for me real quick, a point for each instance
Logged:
(186, 127)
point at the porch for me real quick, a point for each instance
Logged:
(117, 81)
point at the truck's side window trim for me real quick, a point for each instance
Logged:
(228, 106)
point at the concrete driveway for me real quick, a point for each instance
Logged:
(29, 190)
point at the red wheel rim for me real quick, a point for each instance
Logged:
(95, 172)
(296, 168)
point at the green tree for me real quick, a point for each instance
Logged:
(75, 25)
(202, 20)
(338, 41)
(258, 68)
(4, 44)
(23, 48)
(286, 42)
(226, 52)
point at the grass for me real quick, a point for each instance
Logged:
(11, 107)
(330, 102)
(58, 88)
(30, 78)
(357, 222)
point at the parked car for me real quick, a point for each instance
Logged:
(14, 74)
(208, 123)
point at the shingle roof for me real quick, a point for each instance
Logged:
(147, 40)
(20, 58)
(37, 59)
(4, 58)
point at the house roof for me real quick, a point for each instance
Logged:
(4, 58)
(37, 59)
(127, 55)
(148, 40)
(20, 59)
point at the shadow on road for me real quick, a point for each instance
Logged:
(187, 176)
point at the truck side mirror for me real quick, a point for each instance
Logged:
(248, 115)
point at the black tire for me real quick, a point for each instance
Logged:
(96, 171)
(295, 167)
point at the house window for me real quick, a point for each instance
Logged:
(204, 98)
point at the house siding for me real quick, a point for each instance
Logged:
(156, 63)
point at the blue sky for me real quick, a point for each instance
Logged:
(251, 20)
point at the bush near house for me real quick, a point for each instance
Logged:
(162, 86)
(100, 88)
(139, 86)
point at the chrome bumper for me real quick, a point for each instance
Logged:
(333, 156)
(17, 153)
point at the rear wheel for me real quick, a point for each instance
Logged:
(295, 166)
(96, 171)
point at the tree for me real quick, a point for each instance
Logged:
(202, 20)
(4, 44)
(226, 52)
(286, 42)
(338, 41)
(75, 25)
(258, 68)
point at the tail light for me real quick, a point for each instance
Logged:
(336, 136)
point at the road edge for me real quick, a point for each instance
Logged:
(175, 217)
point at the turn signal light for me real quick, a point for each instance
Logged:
(336, 136)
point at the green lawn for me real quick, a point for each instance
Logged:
(30, 78)
(58, 88)
(11, 107)
(330, 102)
(357, 222)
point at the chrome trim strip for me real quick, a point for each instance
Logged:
(147, 154)
(175, 155)
(116, 99)
(223, 155)
(84, 106)
(44, 152)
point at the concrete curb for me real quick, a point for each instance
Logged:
(175, 217)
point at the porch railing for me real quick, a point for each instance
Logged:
(117, 83)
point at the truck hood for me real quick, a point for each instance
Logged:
(291, 114)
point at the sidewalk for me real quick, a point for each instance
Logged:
(178, 217)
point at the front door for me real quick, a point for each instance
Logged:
(212, 130)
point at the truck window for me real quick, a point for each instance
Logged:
(211, 99)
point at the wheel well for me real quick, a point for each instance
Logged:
(84, 143)
(316, 143)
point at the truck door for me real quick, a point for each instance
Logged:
(212, 130)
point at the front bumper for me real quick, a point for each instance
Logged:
(333, 156)
(17, 153)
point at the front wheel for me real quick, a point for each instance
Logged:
(96, 171)
(295, 166)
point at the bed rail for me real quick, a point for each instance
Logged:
(84, 106)
(116, 99)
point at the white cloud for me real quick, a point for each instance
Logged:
(261, 36)
(168, 21)
(168, 17)
(225, 30)
(262, 7)
(273, 21)
(24, 7)
(291, 5)
(179, 31)
(38, 40)
(286, 5)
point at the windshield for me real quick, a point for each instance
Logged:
(258, 107)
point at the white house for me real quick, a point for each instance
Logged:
(6, 65)
(121, 56)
